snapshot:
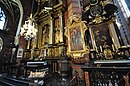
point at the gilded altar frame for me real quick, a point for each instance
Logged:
(76, 43)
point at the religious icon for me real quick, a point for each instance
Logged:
(76, 40)
(45, 34)
(57, 31)
(101, 36)
(74, 32)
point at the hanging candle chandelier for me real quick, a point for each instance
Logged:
(29, 29)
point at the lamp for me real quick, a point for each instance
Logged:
(28, 30)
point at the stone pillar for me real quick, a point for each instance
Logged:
(16, 42)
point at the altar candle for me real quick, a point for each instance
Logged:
(101, 48)
(113, 47)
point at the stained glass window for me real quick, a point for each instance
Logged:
(2, 19)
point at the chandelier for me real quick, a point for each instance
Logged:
(29, 29)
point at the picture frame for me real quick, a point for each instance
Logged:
(101, 36)
(20, 53)
(75, 32)
(45, 34)
(76, 42)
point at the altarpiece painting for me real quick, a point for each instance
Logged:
(101, 35)
(45, 34)
(76, 38)
(75, 34)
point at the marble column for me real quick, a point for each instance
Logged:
(16, 41)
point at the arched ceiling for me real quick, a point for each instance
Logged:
(12, 12)
(11, 8)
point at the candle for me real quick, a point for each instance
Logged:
(101, 48)
(113, 47)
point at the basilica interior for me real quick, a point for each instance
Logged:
(64, 43)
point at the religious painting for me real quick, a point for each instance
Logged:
(102, 36)
(76, 38)
(57, 30)
(74, 32)
(45, 34)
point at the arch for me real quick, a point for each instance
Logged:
(11, 10)
(14, 15)
(21, 16)
(20, 21)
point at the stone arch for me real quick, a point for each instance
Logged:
(13, 12)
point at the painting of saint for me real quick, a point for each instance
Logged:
(102, 35)
(76, 39)
(45, 35)
(57, 31)
(74, 32)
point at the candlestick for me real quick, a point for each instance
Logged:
(113, 47)
(101, 48)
